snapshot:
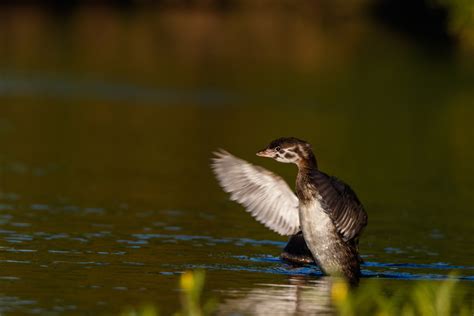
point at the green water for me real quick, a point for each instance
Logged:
(107, 127)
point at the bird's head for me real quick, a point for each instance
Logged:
(289, 150)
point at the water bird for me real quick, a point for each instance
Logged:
(324, 218)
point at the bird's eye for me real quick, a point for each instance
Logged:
(277, 148)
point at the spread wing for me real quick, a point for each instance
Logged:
(342, 206)
(264, 194)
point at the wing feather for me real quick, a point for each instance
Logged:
(342, 205)
(265, 195)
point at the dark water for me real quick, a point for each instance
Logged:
(107, 127)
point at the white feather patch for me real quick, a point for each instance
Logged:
(265, 195)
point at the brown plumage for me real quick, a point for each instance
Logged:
(325, 209)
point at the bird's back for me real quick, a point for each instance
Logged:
(331, 219)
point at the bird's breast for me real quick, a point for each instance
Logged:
(315, 221)
(319, 233)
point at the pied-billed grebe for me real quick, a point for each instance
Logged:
(324, 209)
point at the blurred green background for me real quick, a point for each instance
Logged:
(110, 111)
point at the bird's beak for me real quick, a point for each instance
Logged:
(265, 153)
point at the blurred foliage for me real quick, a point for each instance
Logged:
(422, 298)
(191, 285)
(305, 35)
(462, 13)
(461, 21)
(144, 310)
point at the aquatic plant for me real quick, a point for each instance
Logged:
(144, 310)
(191, 285)
(424, 298)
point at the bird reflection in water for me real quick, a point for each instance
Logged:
(302, 295)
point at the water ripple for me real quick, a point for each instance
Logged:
(9, 278)
(238, 241)
(314, 271)
(6, 207)
(15, 261)
(280, 269)
(17, 250)
(10, 196)
(436, 265)
(94, 263)
(412, 276)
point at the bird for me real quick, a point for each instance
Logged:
(324, 216)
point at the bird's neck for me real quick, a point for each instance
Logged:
(307, 163)
(307, 168)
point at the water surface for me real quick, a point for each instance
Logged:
(106, 195)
